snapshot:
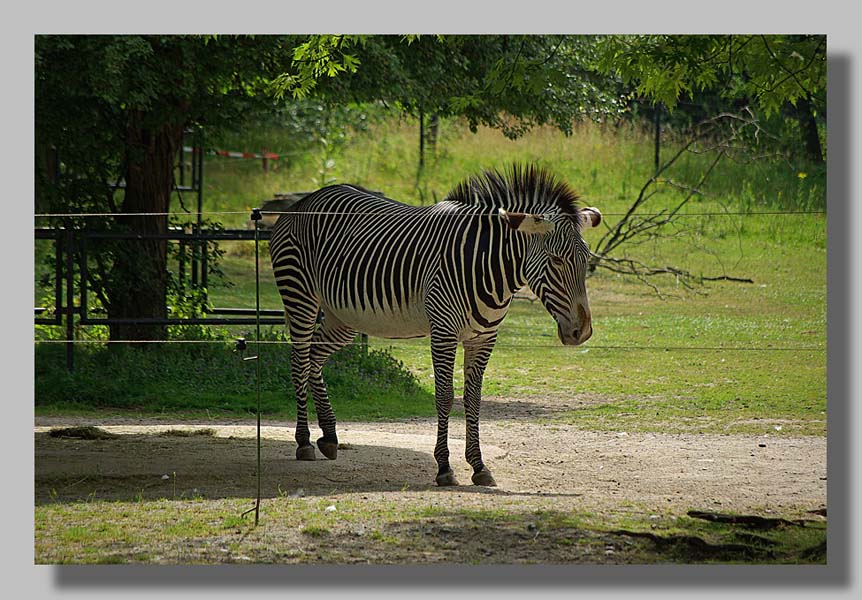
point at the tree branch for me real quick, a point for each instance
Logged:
(791, 74)
(635, 226)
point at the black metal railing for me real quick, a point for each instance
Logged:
(74, 248)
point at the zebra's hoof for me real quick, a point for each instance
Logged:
(329, 449)
(484, 477)
(447, 478)
(305, 453)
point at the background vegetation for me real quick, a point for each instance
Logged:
(721, 356)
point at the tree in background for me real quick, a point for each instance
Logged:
(730, 94)
(514, 82)
(778, 76)
(111, 111)
(506, 82)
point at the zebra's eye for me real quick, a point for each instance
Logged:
(556, 260)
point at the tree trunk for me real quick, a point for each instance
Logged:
(433, 132)
(139, 277)
(46, 174)
(810, 134)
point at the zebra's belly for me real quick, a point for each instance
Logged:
(385, 324)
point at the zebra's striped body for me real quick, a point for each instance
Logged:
(380, 267)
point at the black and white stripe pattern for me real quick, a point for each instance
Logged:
(377, 266)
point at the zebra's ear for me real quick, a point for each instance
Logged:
(589, 217)
(527, 223)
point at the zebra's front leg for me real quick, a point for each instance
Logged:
(327, 340)
(443, 359)
(476, 355)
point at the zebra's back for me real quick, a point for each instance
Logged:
(369, 260)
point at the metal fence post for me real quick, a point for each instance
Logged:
(70, 299)
(657, 137)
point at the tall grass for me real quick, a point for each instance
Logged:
(214, 378)
(607, 164)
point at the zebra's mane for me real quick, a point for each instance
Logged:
(521, 187)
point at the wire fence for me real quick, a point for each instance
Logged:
(782, 346)
(503, 345)
(378, 214)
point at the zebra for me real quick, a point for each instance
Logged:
(373, 265)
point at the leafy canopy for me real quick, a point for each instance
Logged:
(770, 69)
(510, 82)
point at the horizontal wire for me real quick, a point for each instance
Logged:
(506, 328)
(497, 346)
(345, 213)
(504, 345)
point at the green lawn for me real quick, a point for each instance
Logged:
(302, 531)
(722, 357)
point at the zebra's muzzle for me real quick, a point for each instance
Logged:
(575, 335)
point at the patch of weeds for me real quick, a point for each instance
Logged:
(379, 536)
(492, 515)
(206, 432)
(186, 528)
(233, 522)
(111, 559)
(77, 534)
(431, 510)
(82, 433)
(315, 531)
(212, 378)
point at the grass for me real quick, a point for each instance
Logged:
(724, 357)
(300, 530)
(212, 378)
(605, 164)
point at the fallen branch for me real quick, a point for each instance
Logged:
(694, 545)
(636, 268)
(728, 278)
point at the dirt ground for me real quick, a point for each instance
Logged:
(552, 466)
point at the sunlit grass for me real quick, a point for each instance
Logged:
(300, 530)
(726, 351)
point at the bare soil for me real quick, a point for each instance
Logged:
(564, 495)
(537, 467)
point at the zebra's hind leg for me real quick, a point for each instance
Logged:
(300, 369)
(332, 336)
(476, 355)
(443, 358)
(300, 335)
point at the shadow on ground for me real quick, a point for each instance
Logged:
(162, 465)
